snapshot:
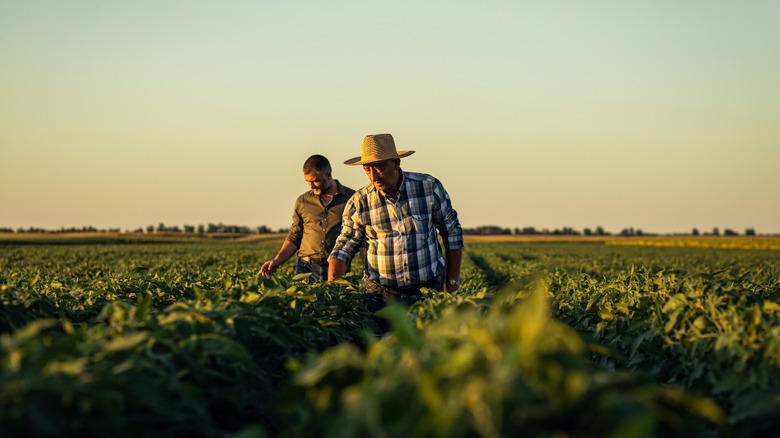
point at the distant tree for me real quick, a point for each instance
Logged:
(715, 231)
(565, 231)
(201, 229)
(750, 232)
(587, 232)
(600, 231)
(695, 232)
(189, 228)
(730, 232)
(486, 230)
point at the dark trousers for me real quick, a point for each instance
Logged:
(378, 296)
(319, 271)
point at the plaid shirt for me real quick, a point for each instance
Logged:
(403, 249)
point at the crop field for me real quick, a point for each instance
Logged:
(565, 339)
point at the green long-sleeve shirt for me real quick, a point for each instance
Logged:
(316, 225)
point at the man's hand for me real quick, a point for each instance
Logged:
(336, 268)
(287, 251)
(269, 267)
(452, 288)
(453, 257)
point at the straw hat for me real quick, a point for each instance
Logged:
(375, 148)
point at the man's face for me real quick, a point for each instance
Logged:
(318, 182)
(384, 174)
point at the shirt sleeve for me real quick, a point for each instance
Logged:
(446, 218)
(352, 236)
(295, 235)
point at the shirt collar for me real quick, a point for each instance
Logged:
(339, 189)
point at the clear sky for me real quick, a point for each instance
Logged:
(660, 115)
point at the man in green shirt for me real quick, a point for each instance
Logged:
(316, 222)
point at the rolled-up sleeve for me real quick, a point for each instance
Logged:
(446, 218)
(352, 235)
(295, 235)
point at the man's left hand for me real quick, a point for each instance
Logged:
(452, 286)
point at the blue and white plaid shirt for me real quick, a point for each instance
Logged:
(403, 248)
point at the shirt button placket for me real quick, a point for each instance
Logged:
(404, 236)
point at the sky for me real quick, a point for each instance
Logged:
(662, 116)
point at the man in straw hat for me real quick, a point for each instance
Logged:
(397, 216)
(316, 222)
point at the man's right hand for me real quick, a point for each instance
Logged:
(269, 268)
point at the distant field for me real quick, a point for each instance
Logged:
(736, 242)
(725, 242)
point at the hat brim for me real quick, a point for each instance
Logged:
(358, 160)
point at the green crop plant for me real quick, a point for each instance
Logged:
(510, 370)
(576, 339)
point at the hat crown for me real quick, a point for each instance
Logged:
(376, 146)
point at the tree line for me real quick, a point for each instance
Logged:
(154, 229)
(486, 230)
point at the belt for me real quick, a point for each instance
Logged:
(315, 260)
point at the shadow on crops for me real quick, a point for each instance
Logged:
(493, 277)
